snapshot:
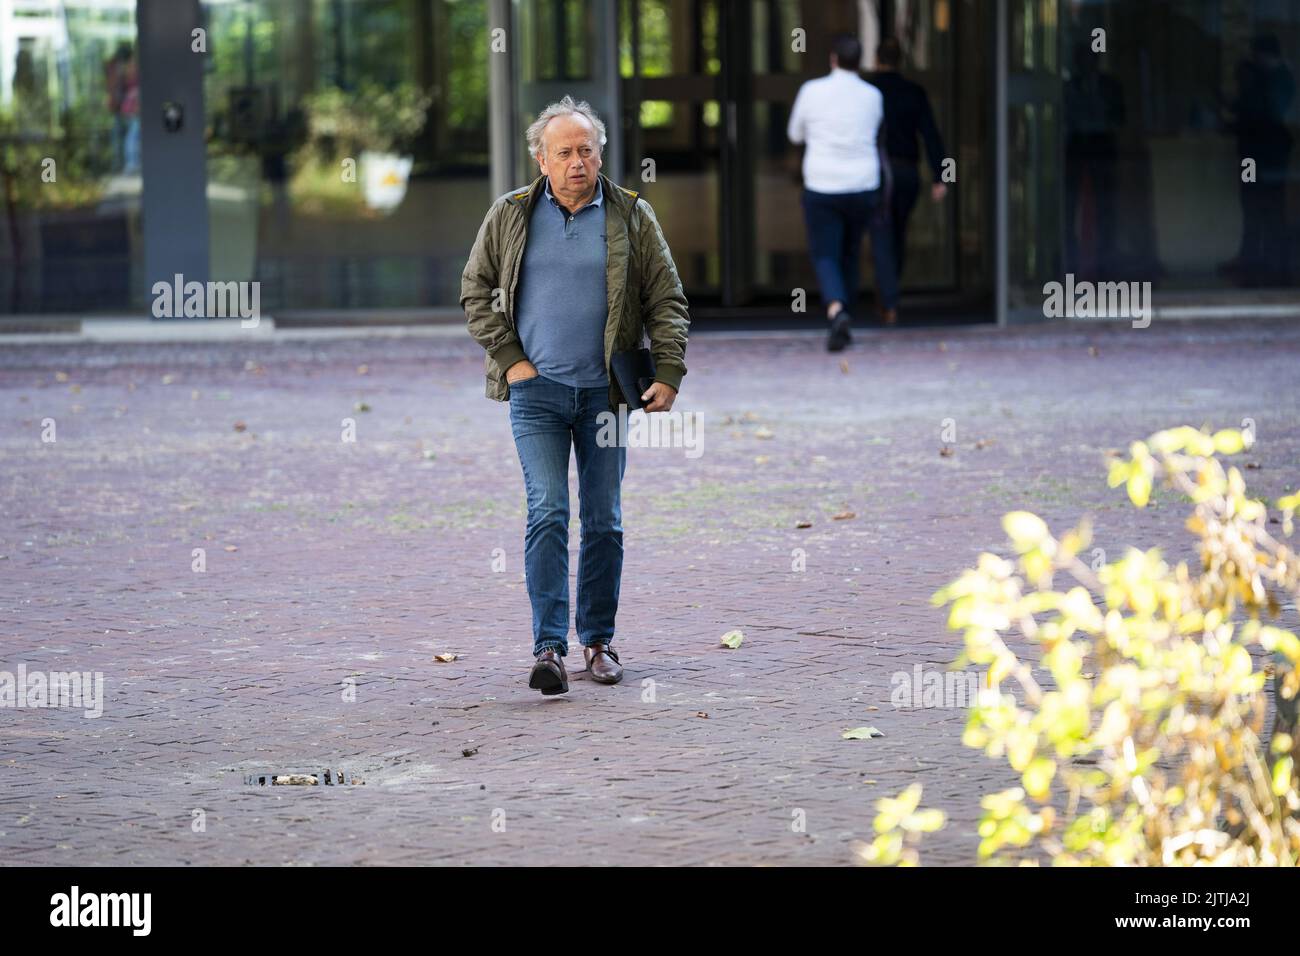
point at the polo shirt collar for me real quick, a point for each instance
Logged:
(596, 200)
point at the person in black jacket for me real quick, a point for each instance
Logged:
(907, 116)
(1265, 90)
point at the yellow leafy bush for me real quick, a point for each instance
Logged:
(1137, 734)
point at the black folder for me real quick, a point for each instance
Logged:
(634, 371)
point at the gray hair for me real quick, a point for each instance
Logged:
(564, 107)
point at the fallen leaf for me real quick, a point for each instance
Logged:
(762, 432)
(240, 426)
(231, 547)
(761, 459)
(60, 376)
(945, 452)
(861, 733)
(803, 524)
(844, 366)
(732, 639)
(469, 751)
(168, 378)
(844, 516)
(984, 443)
(700, 713)
(363, 369)
(361, 407)
(444, 658)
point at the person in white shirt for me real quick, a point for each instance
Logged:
(839, 117)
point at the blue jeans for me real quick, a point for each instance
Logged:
(835, 223)
(548, 419)
(126, 143)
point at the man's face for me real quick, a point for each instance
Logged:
(570, 158)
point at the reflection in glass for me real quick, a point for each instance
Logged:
(1178, 149)
(70, 160)
(348, 148)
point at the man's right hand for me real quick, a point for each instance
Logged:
(521, 370)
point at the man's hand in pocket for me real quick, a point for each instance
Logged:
(519, 371)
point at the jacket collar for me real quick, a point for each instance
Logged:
(618, 197)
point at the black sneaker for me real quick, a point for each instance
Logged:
(840, 335)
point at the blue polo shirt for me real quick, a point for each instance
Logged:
(561, 304)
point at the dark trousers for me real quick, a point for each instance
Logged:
(1264, 257)
(907, 187)
(1092, 158)
(836, 222)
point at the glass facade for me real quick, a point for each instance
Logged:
(1156, 135)
(1154, 142)
(351, 149)
(69, 156)
(347, 148)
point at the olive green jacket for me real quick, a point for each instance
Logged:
(645, 295)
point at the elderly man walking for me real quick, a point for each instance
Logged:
(564, 274)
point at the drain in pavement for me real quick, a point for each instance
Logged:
(327, 777)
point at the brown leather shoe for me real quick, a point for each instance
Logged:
(602, 664)
(889, 316)
(548, 674)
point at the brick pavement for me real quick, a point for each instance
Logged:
(365, 560)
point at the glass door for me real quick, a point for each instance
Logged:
(670, 66)
(566, 47)
(772, 254)
(1035, 137)
(707, 91)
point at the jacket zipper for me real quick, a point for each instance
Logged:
(514, 278)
